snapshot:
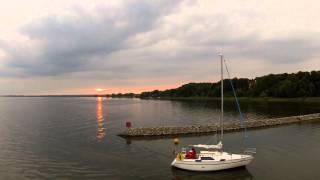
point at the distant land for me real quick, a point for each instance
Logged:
(128, 95)
(293, 85)
(300, 84)
(62, 95)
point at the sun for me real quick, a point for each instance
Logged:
(100, 89)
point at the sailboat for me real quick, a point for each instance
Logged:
(212, 157)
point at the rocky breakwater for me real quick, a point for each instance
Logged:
(213, 128)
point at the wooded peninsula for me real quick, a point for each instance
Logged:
(300, 84)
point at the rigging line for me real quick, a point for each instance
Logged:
(242, 122)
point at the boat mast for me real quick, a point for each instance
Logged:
(221, 118)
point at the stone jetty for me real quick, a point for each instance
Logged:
(213, 128)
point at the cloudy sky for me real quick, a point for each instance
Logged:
(74, 47)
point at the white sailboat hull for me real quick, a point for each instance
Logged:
(211, 165)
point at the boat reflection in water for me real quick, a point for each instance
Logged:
(100, 120)
(240, 173)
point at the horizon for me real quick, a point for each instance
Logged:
(134, 46)
(104, 92)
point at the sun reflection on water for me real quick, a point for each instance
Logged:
(101, 132)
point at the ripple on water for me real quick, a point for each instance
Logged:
(75, 138)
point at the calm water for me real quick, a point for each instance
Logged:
(75, 138)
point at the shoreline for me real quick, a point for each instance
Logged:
(257, 99)
(247, 99)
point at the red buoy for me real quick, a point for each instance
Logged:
(128, 124)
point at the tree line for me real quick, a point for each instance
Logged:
(300, 84)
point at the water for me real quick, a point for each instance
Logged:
(76, 138)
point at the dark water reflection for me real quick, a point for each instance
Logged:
(76, 138)
(238, 173)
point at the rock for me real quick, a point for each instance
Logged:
(231, 126)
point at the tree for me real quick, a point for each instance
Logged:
(273, 85)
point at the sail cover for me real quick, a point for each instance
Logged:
(207, 146)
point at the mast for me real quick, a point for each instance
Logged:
(221, 117)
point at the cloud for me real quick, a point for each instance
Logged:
(156, 42)
(282, 50)
(84, 39)
(191, 33)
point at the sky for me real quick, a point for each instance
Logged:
(74, 47)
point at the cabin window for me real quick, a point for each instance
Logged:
(207, 158)
(222, 160)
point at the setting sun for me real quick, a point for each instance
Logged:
(100, 89)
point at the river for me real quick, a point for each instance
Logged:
(76, 138)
